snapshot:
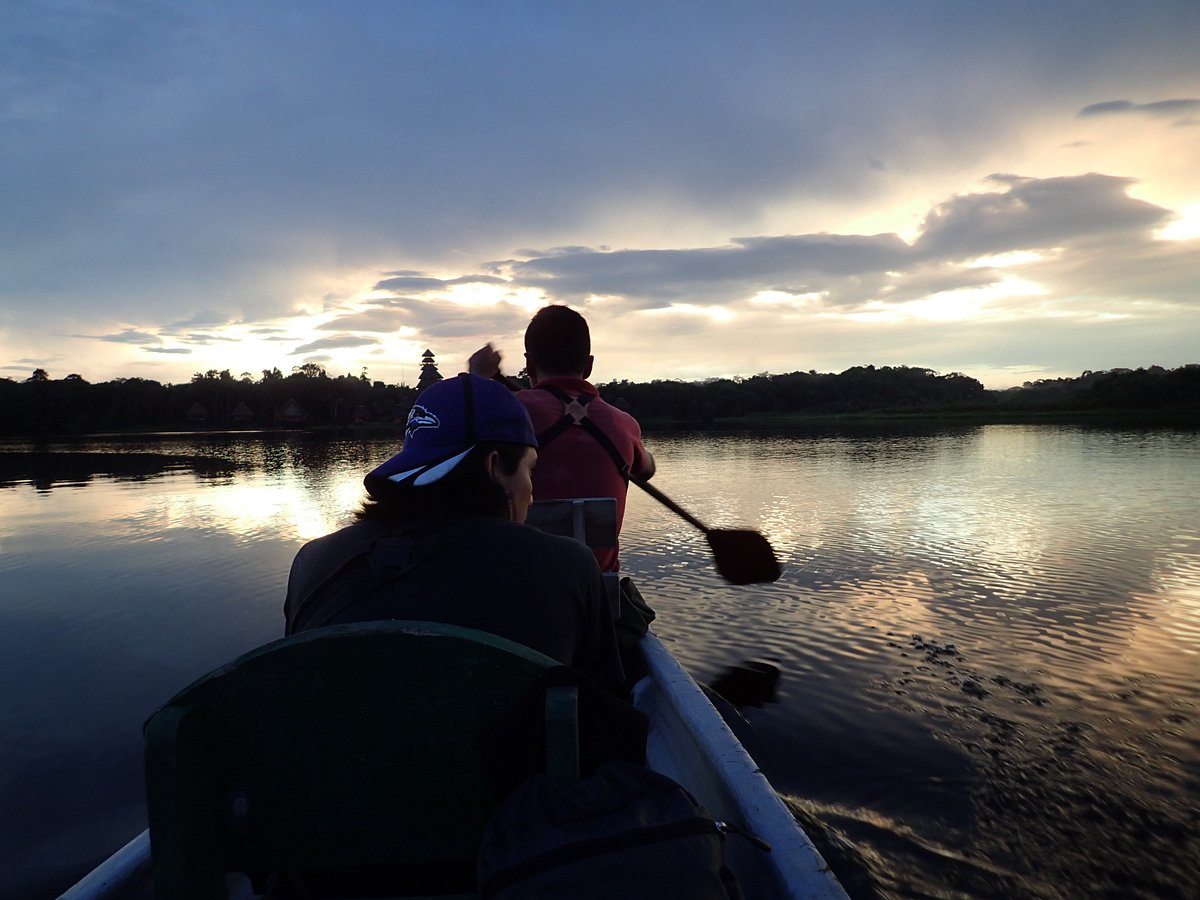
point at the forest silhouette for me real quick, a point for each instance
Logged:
(41, 406)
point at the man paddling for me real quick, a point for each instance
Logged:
(586, 447)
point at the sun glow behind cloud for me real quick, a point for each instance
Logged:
(478, 295)
(969, 303)
(1005, 260)
(783, 298)
(716, 314)
(1185, 227)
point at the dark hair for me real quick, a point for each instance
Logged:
(557, 341)
(466, 490)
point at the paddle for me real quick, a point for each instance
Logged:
(742, 557)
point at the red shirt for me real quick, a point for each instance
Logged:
(574, 464)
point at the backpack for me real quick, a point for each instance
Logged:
(625, 831)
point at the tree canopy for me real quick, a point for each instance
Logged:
(309, 397)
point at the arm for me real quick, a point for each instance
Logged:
(485, 362)
(647, 469)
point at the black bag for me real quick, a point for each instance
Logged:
(625, 832)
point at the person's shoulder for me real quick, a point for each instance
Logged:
(549, 546)
(349, 532)
(534, 400)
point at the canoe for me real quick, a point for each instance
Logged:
(688, 741)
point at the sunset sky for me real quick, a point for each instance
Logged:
(1008, 190)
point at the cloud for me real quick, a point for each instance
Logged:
(414, 281)
(1083, 214)
(650, 279)
(1036, 213)
(179, 351)
(384, 321)
(1126, 107)
(130, 336)
(204, 339)
(337, 342)
(202, 318)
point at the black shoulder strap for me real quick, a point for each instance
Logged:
(575, 413)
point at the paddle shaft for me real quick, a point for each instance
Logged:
(669, 503)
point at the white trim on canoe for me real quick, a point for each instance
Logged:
(690, 742)
(119, 876)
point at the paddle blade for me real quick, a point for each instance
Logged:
(743, 557)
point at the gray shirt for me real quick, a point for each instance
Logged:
(543, 591)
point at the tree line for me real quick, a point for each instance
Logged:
(909, 390)
(310, 397)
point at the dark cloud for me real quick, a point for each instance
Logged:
(1036, 213)
(938, 278)
(180, 351)
(384, 321)
(26, 367)
(416, 283)
(204, 318)
(336, 342)
(653, 278)
(1161, 273)
(411, 281)
(130, 336)
(199, 338)
(1157, 108)
(440, 320)
(1023, 214)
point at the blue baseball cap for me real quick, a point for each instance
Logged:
(444, 425)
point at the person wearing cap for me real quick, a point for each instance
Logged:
(586, 447)
(441, 538)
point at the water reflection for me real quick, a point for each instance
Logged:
(985, 638)
(45, 470)
(1050, 561)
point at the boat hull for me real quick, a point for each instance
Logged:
(688, 741)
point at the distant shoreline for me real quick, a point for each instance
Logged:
(1186, 418)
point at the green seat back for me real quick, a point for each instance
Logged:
(348, 746)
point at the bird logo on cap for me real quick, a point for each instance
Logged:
(420, 418)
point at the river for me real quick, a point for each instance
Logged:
(988, 636)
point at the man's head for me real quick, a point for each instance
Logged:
(557, 342)
(469, 447)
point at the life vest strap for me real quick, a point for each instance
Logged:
(575, 413)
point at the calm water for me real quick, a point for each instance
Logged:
(989, 637)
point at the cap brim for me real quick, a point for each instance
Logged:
(417, 476)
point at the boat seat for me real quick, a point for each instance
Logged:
(350, 753)
(591, 520)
